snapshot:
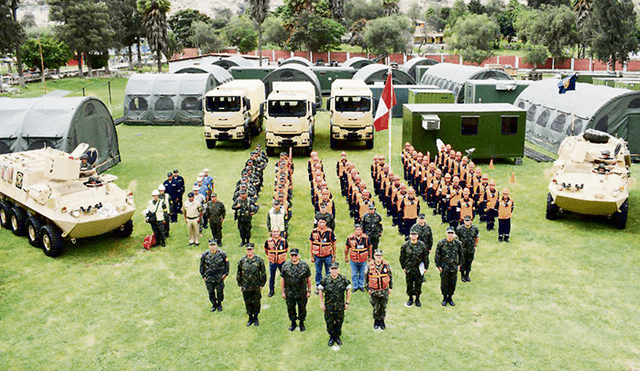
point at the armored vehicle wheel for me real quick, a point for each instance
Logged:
(33, 231)
(5, 214)
(211, 144)
(271, 151)
(333, 143)
(369, 144)
(19, 221)
(124, 230)
(620, 218)
(595, 136)
(552, 209)
(51, 240)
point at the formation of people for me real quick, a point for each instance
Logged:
(247, 191)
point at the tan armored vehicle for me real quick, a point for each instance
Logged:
(591, 177)
(52, 196)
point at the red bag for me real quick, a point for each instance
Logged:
(149, 241)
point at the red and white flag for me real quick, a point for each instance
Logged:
(387, 101)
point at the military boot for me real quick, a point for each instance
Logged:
(250, 322)
(302, 328)
(444, 301)
(255, 320)
(382, 325)
(293, 325)
(451, 302)
(410, 302)
(418, 303)
(500, 238)
(331, 340)
(271, 292)
(506, 238)
(376, 324)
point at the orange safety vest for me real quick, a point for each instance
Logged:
(456, 195)
(466, 208)
(342, 166)
(399, 197)
(379, 277)
(456, 169)
(491, 198)
(319, 247)
(505, 208)
(276, 250)
(410, 208)
(359, 248)
(364, 207)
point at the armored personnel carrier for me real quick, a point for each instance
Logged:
(591, 177)
(52, 196)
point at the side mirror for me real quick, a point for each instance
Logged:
(247, 103)
(313, 109)
(262, 108)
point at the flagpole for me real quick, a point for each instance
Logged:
(390, 124)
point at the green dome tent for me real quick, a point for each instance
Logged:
(410, 66)
(452, 77)
(220, 75)
(376, 73)
(61, 123)
(293, 72)
(357, 62)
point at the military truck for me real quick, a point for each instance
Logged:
(290, 112)
(232, 112)
(51, 197)
(351, 108)
(591, 177)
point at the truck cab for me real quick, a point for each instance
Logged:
(290, 112)
(232, 112)
(351, 108)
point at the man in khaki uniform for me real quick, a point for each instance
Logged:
(192, 211)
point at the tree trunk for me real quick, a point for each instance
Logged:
(159, 58)
(107, 71)
(613, 64)
(130, 55)
(14, 12)
(80, 63)
(139, 54)
(260, 44)
(89, 67)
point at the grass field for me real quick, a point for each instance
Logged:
(563, 295)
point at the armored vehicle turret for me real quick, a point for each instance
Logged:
(52, 196)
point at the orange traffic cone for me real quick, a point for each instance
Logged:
(491, 164)
(512, 180)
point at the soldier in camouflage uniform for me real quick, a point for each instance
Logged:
(372, 226)
(296, 288)
(245, 209)
(214, 268)
(379, 283)
(424, 232)
(448, 257)
(468, 235)
(215, 213)
(413, 253)
(251, 277)
(333, 288)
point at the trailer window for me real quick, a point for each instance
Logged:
(191, 104)
(223, 104)
(509, 125)
(295, 108)
(164, 104)
(469, 126)
(353, 104)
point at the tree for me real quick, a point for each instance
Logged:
(357, 33)
(239, 32)
(554, 27)
(583, 12)
(206, 38)
(84, 26)
(355, 10)
(274, 33)
(414, 11)
(337, 10)
(126, 22)
(473, 37)
(391, 7)
(221, 19)
(174, 46)
(28, 21)
(476, 7)
(614, 31)
(315, 33)
(437, 17)
(258, 12)
(539, 3)
(506, 19)
(181, 22)
(155, 23)
(11, 33)
(388, 35)
(536, 54)
(55, 53)
(458, 10)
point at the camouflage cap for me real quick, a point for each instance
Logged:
(190, 194)
(335, 265)
(294, 251)
(378, 252)
(450, 230)
(249, 246)
(213, 241)
(421, 216)
(467, 217)
(214, 194)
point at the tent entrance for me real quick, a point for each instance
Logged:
(633, 136)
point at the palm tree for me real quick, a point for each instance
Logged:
(155, 23)
(258, 12)
(391, 7)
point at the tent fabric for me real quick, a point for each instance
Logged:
(166, 99)
(376, 73)
(410, 66)
(61, 123)
(452, 77)
(357, 62)
(297, 60)
(549, 114)
(293, 72)
(219, 74)
(233, 61)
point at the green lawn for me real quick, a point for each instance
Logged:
(563, 295)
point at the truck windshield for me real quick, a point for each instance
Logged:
(294, 108)
(353, 104)
(223, 104)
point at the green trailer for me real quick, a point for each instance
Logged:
(431, 95)
(495, 130)
(494, 91)
(251, 73)
(327, 75)
(402, 95)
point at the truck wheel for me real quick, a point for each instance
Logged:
(19, 221)
(271, 151)
(246, 142)
(255, 130)
(211, 144)
(333, 143)
(124, 230)
(5, 214)
(596, 136)
(308, 150)
(620, 217)
(33, 231)
(552, 209)
(369, 144)
(51, 240)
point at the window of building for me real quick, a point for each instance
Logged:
(470, 126)
(509, 125)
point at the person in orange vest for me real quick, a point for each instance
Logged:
(341, 171)
(363, 205)
(465, 205)
(455, 194)
(322, 244)
(491, 197)
(379, 283)
(433, 183)
(409, 210)
(276, 248)
(357, 252)
(481, 191)
(442, 193)
(505, 211)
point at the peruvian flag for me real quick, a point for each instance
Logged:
(387, 101)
